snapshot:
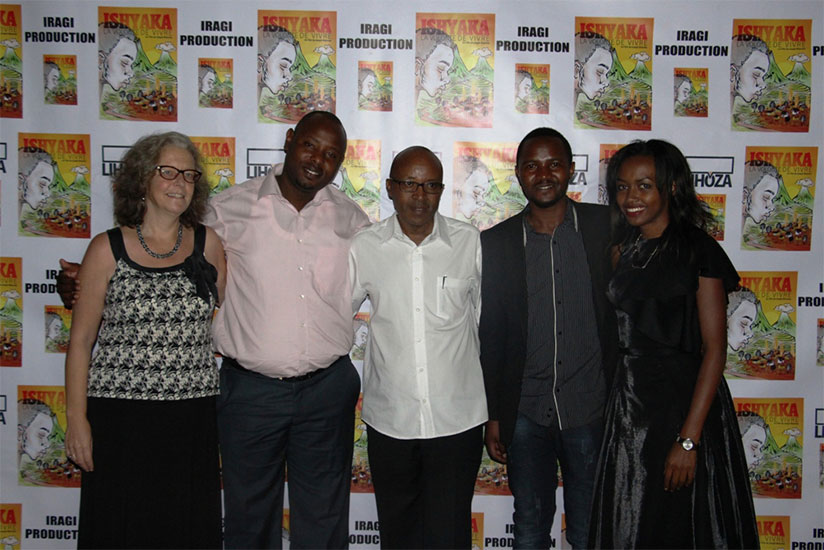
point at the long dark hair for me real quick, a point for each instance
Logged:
(673, 179)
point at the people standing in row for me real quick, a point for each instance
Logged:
(548, 345)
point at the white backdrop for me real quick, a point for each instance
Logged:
(88, 111)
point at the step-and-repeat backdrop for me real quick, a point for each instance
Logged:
(736, 85)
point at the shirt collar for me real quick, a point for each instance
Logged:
(392, 229)
(570, 216)
(270, 186)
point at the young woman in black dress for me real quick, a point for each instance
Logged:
(672, 473)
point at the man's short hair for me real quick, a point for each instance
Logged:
(742, 47)
(544, 133)
(269, 36)
(586, 43)
(109, 33)
(739, 296)
(679, 81)
(29, 158)
(754, 172)
(427, 39)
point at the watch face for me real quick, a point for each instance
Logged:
(687, 444)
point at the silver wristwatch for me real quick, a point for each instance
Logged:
(687, 443)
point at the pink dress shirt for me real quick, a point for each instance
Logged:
(287, 309)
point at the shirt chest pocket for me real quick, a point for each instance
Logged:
(454, 296)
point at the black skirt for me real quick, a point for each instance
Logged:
(156, 479)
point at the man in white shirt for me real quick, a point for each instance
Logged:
(423, 395)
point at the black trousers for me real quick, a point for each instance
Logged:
(424, 488)
(266, 424)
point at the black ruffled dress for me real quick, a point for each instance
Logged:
(654, 293)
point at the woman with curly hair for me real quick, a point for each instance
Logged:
(672, 472)
(141, 408)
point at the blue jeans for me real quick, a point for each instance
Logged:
(532, 462)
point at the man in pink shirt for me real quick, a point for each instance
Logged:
(287, 387)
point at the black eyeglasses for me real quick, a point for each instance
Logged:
(431, 187)
(170, 173)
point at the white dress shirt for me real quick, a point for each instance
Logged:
(422, 374)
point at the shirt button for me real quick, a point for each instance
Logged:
(300, 268)
(424, 400)
(417, 278)
(302, 296)
(417, 309)
(420, 370)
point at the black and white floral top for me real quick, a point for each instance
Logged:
(155, 336)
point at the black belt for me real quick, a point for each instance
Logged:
(228, 361)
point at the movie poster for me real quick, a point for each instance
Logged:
(11, 311)
(54, 194)
(361, 322)
(819, 354)
(607, 150)
(375, 85)
(137, 51)
(485, 190)
(11, 62)
(60, 79)
(778, 197)
(772, 435)
(218, 159)
(11, 521)
(774, 532)
(361, 476)
(717, 206)
(532, 88)
(477, 530)
(454, 69)
(691, 92)
(761, 326)
(215, 82)
(492, 477)
(41, 436)
(58, 324)
(770, 82)
(613, 73)
(821, 466)
(296, 64)
(360, 175)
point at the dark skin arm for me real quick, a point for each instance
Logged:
(679, 468)
(68, 285)
(496, 449)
